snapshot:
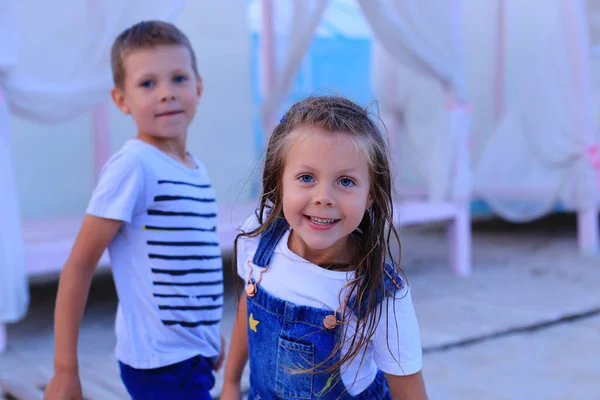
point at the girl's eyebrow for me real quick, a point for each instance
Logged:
(347, 170)
(302, 166)
(344, 171)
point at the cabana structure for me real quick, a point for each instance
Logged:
(534, 124)
(537, 141)
(406, 35)
(423, 35)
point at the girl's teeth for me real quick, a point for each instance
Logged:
(322, 221)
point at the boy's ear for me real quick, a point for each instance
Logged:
(119, 100)
(200, 87)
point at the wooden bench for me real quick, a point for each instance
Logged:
(49, 241)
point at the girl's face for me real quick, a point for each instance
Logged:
(326, 185)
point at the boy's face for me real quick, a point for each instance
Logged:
(160, 90)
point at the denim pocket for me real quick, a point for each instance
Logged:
(292, 358)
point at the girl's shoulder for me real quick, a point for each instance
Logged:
(393, 280)
(393, 286)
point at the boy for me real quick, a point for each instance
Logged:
(155, 210)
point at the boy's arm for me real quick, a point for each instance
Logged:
(75, 279)
(407, 387)
(238, 353)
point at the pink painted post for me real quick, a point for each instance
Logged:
(267, 58)
(101, 137)
(499, 78)
(587, 219)
(459, 228)
(390, 117)
(459, 239)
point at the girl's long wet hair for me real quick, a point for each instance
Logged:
(342, 117)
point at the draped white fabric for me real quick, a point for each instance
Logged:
(539, 154)
(14, 295)
(54, 66)
(425, 37)
(75, 53)
(593, 11)
(300, 30)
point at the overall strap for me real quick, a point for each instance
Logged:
(268, 241)
(392, 282)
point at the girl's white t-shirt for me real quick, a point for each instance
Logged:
(395, 348)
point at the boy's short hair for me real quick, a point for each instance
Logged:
(143, 35)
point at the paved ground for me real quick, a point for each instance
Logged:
(526, 325)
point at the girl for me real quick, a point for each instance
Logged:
(325, 313)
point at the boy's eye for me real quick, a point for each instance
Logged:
(180, 78)
(147, 83)
(305, 178)
(346, 182)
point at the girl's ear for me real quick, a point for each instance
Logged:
(369, 202)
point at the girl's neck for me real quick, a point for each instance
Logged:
(341, 254)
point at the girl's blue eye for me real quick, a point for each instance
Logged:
(306, 178)
(346, 182)
(180, 78)
(147, 84)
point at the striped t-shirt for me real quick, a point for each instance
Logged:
(166, 260)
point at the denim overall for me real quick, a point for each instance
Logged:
(284, 337)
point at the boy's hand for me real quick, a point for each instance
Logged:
(219, 362)
(64, 386)
(231, 391)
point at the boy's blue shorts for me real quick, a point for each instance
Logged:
(189, 379)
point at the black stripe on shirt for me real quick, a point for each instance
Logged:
(165, 197)
(178, 228)
(185, 296)
(179, 272)
(162, 182)
(180, 244)
(182, 258)
(186, 324)
(190, 308)
(180, 214)
(202, 283)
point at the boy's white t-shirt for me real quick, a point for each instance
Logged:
(165, 258)
(396, 346)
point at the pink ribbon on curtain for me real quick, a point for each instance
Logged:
(455, 105)
(594, 158)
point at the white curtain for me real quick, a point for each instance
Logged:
(72, 41)
(300, 30)
(539, 154)
(426, 37)
(593, 12)
(54, 66)
(14, 296)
